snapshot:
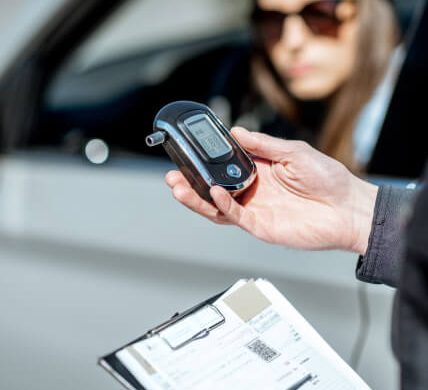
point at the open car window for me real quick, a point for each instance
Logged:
(148, 53)
(116, 80)
(139, 25)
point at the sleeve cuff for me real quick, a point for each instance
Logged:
(381, 263)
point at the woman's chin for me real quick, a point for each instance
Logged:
(309, 91)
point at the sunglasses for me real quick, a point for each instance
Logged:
(320, 17)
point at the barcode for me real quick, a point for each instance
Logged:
(263, 350)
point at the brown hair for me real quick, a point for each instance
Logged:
(377, 37)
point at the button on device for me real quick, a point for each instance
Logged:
(233, 171)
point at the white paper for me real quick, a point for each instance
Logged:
(275, 349)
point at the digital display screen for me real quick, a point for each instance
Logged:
(208, 137)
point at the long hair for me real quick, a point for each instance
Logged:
(377, 37)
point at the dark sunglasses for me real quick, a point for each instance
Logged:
(320, 16)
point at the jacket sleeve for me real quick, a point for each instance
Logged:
(382, 261)
(412, 320)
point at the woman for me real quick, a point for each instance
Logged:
(312, 68)
(317, 63)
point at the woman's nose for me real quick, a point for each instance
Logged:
(294, 32)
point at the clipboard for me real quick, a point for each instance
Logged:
(257, 340)
(114, 366)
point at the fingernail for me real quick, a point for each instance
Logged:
(239, 130)
(219, 195)
(217, 191)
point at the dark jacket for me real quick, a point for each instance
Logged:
(397, 255)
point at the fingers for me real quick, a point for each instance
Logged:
(225, 211)
(265, 146)
(173, 178)
(186, 195)
(230, 208)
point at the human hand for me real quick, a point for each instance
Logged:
(301, 198)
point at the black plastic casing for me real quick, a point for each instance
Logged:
(202, 172)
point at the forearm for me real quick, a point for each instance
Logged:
(381, 262)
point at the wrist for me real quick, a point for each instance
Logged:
(362, 211)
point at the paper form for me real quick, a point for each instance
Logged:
(263, 343)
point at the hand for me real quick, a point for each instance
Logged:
(301, 198)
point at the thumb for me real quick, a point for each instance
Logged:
(263, 145)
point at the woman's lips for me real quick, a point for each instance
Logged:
(299, 70)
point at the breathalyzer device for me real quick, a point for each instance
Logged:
(203, 149)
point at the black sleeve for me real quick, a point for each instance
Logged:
(412, 346)
(382, 261)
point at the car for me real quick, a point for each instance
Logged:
(94, 249)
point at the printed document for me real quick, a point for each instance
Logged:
(250, 338)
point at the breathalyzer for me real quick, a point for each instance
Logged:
(202, 147)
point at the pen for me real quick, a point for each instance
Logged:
(301, 382)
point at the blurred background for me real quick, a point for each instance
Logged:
(93, 249)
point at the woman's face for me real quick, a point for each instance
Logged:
(312, 59)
